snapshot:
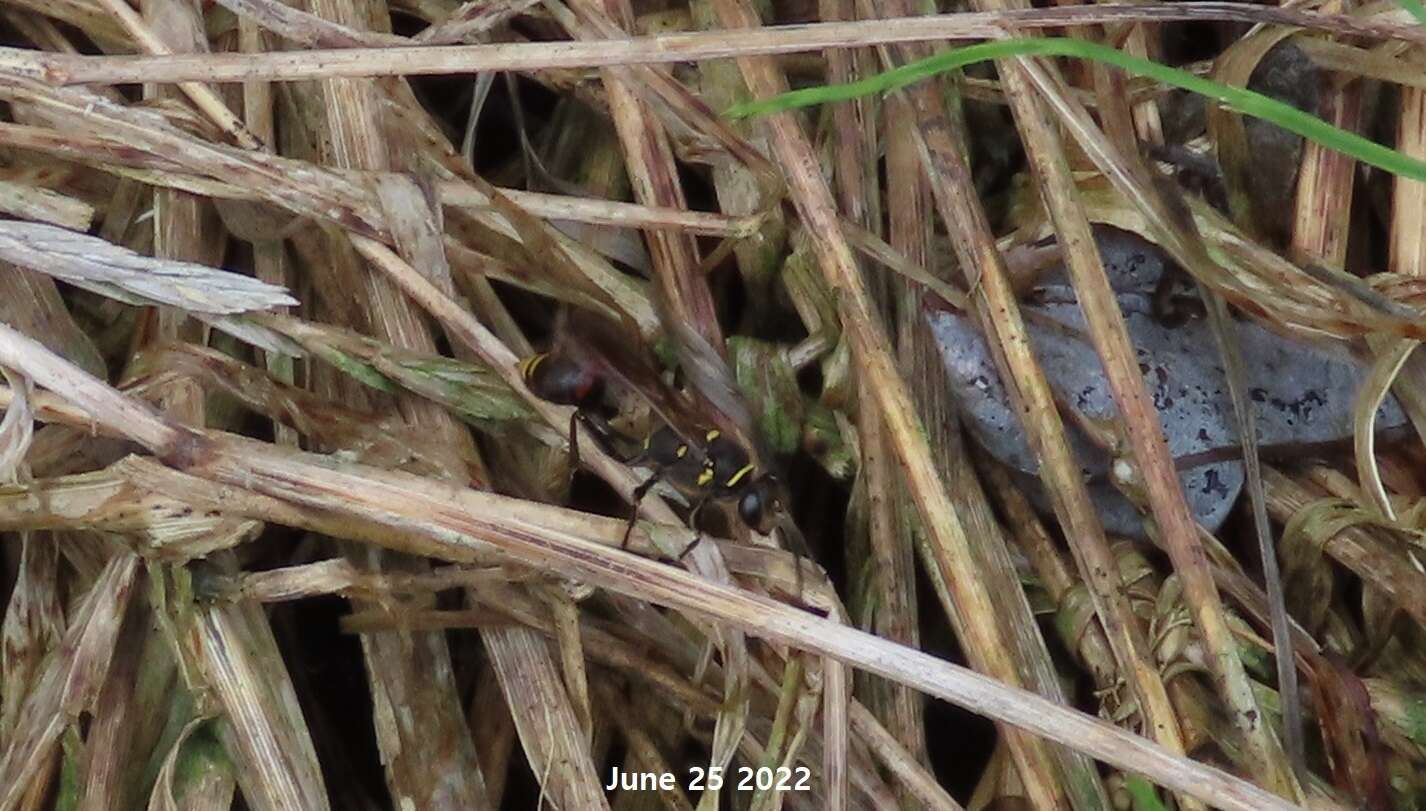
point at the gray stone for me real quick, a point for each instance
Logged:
(1301, 393)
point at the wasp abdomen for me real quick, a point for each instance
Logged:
(561, 380)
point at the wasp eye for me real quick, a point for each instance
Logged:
(753, 509)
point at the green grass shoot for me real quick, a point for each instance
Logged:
(1240, 99)
(1142, 792)
(1417, 10)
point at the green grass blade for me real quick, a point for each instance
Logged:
(1417, 10)
(1142, 792)
(1244, 101)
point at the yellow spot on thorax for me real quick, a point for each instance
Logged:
(739, 476)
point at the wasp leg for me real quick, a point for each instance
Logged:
(573, 448)
(693, 544)
(610, 439)
(695, 512)
(604, 435)
(797, 574)
(639, 493)
(693, 525)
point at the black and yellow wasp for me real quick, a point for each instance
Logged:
(717, 470)
(704, 464)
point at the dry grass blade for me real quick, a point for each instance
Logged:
(1231, 352)
(305, 28)
(31, 303)
(649, 162)
(338, 576)
(909, 230)
(270, 262)
(156, 525)
(151, 41)
(1374, 390)
(34, 624)
(1408, 243)
(274, 759)
(472, 19)
(365, 62)
(87, 126)
(746, 188)
(70, 682)
(1369, 555)
(607, 212)
(113, 270)
(547, 725)
(1225, 331)
(194, 775)
(44, 205)
(928, 792)
(1325, 186)
(83, 15)
(17, 428)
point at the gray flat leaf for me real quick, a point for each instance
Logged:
(1302, 394)
(112, 270)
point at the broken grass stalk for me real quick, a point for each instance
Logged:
(664, 48)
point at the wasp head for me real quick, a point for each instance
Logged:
(759, 504)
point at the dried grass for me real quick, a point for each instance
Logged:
(261, 349)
